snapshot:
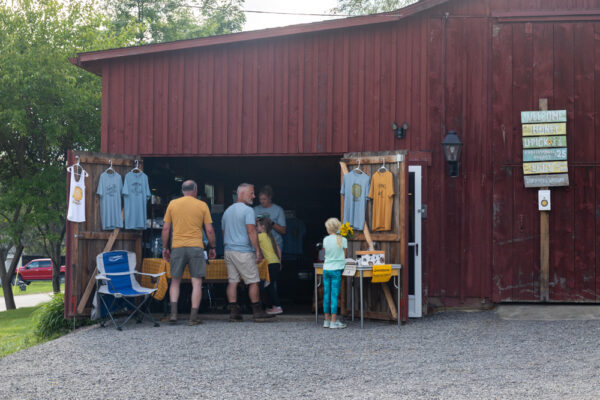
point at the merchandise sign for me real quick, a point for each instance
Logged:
(545, 148)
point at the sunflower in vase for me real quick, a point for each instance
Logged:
(347, 231)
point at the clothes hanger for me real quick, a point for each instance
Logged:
(357, 169)
(110, 169)
(76, 168)
(382, 166)
(136, 169)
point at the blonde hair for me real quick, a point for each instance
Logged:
(333, 225)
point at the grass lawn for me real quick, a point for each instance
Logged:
(16, 330)
(34, 287)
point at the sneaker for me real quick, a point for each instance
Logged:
(274, 310)
(337, 325)
(326, 323)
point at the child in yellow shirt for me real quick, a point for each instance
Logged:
(271, 253)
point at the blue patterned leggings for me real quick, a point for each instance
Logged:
(332, 280)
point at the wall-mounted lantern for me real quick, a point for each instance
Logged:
(452, 146)
(399, 130)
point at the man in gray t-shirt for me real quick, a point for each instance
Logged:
(273, 211)
(242, 252)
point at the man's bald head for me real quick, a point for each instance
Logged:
(189, 188)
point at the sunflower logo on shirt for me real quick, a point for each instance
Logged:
(77, 194)
(356, 191)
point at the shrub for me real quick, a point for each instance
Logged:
(49, 319)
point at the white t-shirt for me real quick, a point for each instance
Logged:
(76, 211)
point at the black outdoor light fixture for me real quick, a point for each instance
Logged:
(451, 145)
(400, 131)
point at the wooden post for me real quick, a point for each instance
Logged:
(544, 238)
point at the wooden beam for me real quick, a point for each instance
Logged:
(91, 282)
(390, 300)
(374, 159)
(379, 237)
(107, 235)
(544, 239)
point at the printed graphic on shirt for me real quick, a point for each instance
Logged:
(112, 190)
(77, 194)
(356, 191)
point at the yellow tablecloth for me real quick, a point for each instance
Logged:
(216, 270)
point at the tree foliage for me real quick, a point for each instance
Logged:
(47, 106)
(169, 20)
(365, 7)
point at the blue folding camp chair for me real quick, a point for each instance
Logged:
(116, 279)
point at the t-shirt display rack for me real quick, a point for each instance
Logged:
(381, 304)
(85, 236)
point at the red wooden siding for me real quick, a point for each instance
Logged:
(554, 61)
(454, 66)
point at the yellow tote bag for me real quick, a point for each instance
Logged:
(381, 273)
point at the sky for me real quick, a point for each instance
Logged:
(256, 21)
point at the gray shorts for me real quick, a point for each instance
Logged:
(193, 257)
(241, 264)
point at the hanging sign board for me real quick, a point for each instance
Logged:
(559, 154)
(538, 117)
(544, 129)
(533, 181)
(545, 148)
(554, 167)
(536, 142)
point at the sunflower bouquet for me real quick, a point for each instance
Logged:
(346, 230)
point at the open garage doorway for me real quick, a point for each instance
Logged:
(306, 187)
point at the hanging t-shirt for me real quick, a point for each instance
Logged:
(109, 190)
(355, 188)
(76, 210)
(136, 193)
(382, 193)
(275, 214)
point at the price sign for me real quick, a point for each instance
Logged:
(545, 148)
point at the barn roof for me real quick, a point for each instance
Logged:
(88, 59)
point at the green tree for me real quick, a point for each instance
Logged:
(47, 106)
(169, 20)
(365, 7)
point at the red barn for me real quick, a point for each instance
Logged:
(283, 105)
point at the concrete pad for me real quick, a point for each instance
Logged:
(548, 312)
(27, 300)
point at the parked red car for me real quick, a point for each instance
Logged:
(38, 270)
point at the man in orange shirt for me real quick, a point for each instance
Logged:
(187, 215)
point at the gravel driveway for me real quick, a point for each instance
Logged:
(445, 356)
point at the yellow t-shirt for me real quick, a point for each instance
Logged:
(269, 253)
(382, 192)
(187, 215)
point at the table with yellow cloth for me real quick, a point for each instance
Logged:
(216, 271)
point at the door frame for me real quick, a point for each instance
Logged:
(415, 302)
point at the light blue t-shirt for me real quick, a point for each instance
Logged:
(277, 215)
(234, 222)
(355, 188)
(109, 190)
(136, 193)
(334, 254)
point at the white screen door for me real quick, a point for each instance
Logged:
(414, 242)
